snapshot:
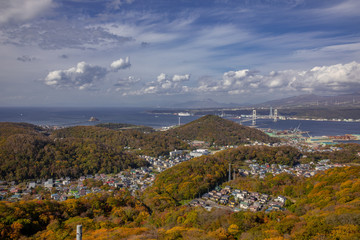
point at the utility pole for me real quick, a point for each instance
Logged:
(79, 232)
(229, 172)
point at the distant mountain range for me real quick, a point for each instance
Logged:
(311, 100)
(306, 100)
(205, 103)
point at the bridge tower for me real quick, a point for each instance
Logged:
(271, 113)
(275, 115)
(254, 117)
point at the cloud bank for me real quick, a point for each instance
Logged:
(125, 83)
(81, 77)
(85, 76)
(337, 78)
(164, 85)
(21, 10)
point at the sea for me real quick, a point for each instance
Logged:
(64, 117)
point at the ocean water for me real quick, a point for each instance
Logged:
(80, 116)
(315, 128)
(141, 116)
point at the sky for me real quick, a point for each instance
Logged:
(147, 53)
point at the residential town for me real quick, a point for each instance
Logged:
(64, 188)
(139, 179)
(239, 200)
(300, 170)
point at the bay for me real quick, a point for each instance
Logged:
(64, 117)
(315, 128)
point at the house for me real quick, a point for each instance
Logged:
(252, 198)
(224, 199)
(269, 209)
(206, 195)
(225, 191)
(31, 185)
(253, 208)
(276, 207)
(232, 203)
(63, 197)
(194, 203)
(264, 196)
(66, 182)
(235, 192)
(14, 190)
(55, 196)
(199, 152)
(208, 208)
(242, 195)
(176, 153)
(197, 143)
(49, 183)
(256, 195)
(281, 199)
(236, 209)
(244, 205)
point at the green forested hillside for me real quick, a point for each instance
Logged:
(154, 144)
(29, 152)
(347, 154)
(219, 131)
(8, 128)
(125, 126)
(26, 153)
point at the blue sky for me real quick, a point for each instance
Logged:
(158, 53)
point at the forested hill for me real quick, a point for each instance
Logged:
(153, 144)
(9, 128)
(219, 131)
(28, 152)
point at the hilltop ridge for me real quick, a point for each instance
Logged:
(219, 131)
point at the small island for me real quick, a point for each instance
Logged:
(93, 119)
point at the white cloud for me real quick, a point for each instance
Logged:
(343, 8)
(326, 79)
(164, 85)
(116, 4)
(120, 64)
(21, 10)
(126, 83)
(83, 76)
(181, 78)
(60, 34)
